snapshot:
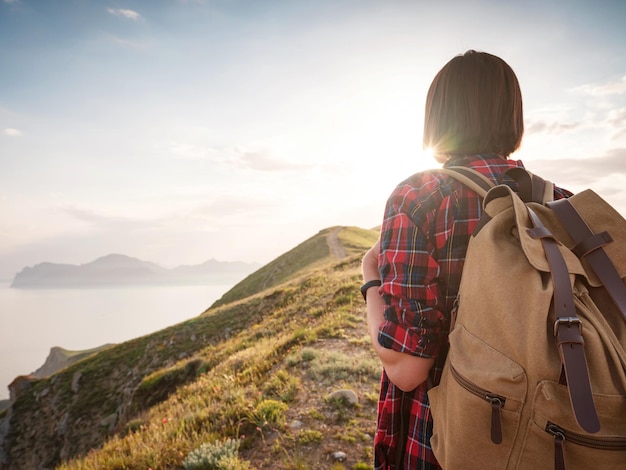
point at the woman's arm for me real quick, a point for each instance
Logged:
(405, 371)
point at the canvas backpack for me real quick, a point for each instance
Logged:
(535, 376)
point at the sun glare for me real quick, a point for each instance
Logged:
(428, 154)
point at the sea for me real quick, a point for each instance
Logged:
(34, 320)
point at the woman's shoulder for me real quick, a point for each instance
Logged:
(422, 192)
(422, 184)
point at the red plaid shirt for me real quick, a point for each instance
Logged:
(429, 219)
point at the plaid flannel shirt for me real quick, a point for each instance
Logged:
(428, 221)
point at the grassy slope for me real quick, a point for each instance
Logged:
(245, 368)
(310, 254)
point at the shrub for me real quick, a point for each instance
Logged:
(215, 456)
(310, 436)
(282, 386)
(270, 412)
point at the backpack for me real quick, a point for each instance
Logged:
(535, 376)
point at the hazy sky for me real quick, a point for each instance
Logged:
(179, 131)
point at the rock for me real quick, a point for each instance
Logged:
(19, 385)
(109, 421)
(296, 424)
(62, 426)
(75, 379)
(347, 396)
(339, 456)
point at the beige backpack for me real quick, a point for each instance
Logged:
(535, 376)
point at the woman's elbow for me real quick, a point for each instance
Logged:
(406, 382)
(409, 373)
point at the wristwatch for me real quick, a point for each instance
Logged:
(367, 285)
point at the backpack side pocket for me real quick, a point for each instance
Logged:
(554, 436)
(483, 390)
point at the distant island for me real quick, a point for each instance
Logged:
(122, 270)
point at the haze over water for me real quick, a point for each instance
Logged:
(34, 320)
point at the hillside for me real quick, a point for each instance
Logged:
(287, 370)
(327, 246)
(115, 270)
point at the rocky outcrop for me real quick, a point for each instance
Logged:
(20, 385)
(60, 358)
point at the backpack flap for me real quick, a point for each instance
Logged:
(502, 197)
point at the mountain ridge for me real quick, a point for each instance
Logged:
(118, 269)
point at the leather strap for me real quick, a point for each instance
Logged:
(559, 445)
(530, 187)
(559, 452)
(567, 330)
(589, 246)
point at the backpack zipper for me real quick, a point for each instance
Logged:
(605, 443)
(496, 402)
(561, 435)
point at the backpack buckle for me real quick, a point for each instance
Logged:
(568, 321)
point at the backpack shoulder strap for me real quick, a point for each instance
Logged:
(471, 178)
(531, 188)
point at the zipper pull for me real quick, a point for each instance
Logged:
(559, 445)
(496, 419)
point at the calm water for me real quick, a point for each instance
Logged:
(34, 320)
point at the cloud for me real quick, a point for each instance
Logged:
(12, 132)
(582, 172)
(108, 222)
(616, 87)
(127, 43)
(544, 127)
(130, 14)
(261, 160)
(231, 206)
(192, 151)
(617, 117)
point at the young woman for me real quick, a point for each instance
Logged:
(474, 119)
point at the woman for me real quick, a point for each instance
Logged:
(474, 119)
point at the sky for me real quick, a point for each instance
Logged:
(180, 131)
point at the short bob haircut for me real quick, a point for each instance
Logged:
(474, 105)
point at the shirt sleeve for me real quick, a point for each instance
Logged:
(409, 272)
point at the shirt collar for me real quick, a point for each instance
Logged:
(481, 160)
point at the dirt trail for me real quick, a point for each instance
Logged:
(336, 249)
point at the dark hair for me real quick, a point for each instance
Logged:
(474, 105)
